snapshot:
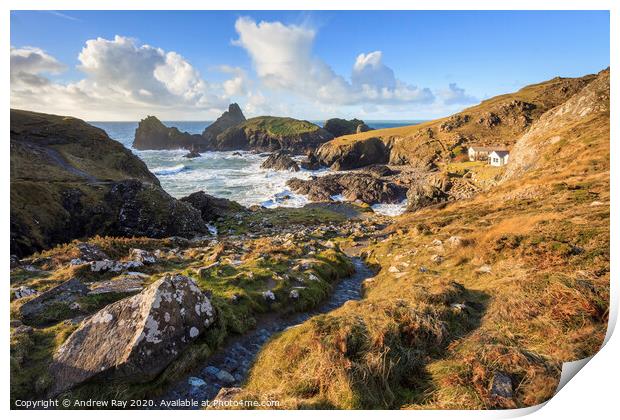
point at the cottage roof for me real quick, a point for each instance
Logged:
(500, 153)
(489, 149)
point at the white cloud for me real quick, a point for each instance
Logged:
(455, 95)
(28, 63)
(282, 56)
(121, 77)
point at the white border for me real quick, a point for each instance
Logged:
(592, 395)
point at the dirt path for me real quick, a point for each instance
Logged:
(229, 366)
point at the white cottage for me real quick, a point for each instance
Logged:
(499, 157)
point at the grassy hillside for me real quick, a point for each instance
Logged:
(503, 287)
(280, 126)
(499, 120)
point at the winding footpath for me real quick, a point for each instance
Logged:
(229, 366)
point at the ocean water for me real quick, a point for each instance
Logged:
(226, 174)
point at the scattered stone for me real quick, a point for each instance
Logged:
(596, 203)
(136, 337)
(437, 259)
(294, 294)
(211, 370)
(226, 377)
(501, 385)
(127, 283)
(313, 277)
(90, 252)
(269, 296)
(23, 291)
(455, 241)
(196, 382)
(142, 256)
(23, 329)
(484, 269)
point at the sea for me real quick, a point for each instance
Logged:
(233, 175)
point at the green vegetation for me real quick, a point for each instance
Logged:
(279, 126)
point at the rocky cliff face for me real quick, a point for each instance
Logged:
(499, 120)
(70, 180)
(229, 119)
(546, 142)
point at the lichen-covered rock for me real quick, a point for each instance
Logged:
(24, 291)
(134, 338)
(142, 256)
(280, 161)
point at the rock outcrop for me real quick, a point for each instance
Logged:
(152, 134)
(340, 127)
(228, 119)
(211, 207)
(70, 180)
(351, 186)
(352, 155)
(280, 161)
(311, 162)
(134, 338)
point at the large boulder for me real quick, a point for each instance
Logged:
(134, 338)
(153, 134)
(341, 127)
(280, 161)
(228, 119)
(70, 180)
(211, 207)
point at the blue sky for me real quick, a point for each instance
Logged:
(122, 65)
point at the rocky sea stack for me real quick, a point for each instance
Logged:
(340, 127)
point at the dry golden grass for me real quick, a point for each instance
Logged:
(411, 344)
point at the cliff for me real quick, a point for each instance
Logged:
(70, 180)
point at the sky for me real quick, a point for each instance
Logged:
(392, 65)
